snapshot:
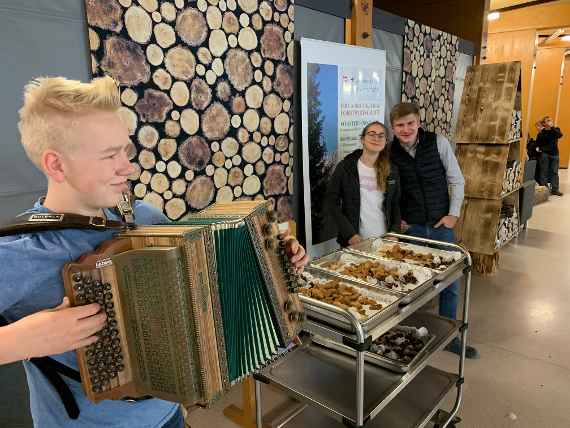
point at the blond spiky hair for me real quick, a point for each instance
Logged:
(52, 103)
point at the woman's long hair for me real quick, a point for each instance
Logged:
(382, 164)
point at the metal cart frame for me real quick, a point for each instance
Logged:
(360, 343)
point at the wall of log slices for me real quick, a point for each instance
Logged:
(206, 88)
(430, 58)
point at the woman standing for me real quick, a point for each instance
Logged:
(363, 195)
(547, 143)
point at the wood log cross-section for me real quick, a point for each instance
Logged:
(239, 69)
(153, 106)
(284, 83)
(201, 94)
(125, 61)
(273, 43)
(200, 192)
(180, 63)
(162, 79)
(194, 153)
(191, 26)
(215, 122)
(105, 14)
(139, 24)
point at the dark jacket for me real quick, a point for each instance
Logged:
(547, 141)
(342, 200)
(423, 181)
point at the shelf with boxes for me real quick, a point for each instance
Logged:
(489, 152)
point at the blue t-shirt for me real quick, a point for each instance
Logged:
(31, 282)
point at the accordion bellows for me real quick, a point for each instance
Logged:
(192, 307)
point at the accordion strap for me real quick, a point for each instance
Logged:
(52, 221)
(53, 370)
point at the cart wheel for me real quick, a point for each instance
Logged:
(441, 416)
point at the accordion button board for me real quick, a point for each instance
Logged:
(192, 307)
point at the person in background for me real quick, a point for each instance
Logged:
(547, 145)
(431, 192)
(363, 193)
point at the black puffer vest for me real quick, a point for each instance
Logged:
(423, 180)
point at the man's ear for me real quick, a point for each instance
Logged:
(52, 165)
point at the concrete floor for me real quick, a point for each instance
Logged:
(520, 322)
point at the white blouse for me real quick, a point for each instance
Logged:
(372, 219)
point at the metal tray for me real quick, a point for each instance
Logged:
(424, 275)
(378, 360)
(346, 319)
(373, 245)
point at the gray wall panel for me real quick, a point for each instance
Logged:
(318, 25)
(37, 38)
(340, 8)
(393, 45)
(388, 21)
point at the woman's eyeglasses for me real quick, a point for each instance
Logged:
(375, 136)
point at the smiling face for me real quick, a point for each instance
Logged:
(374, 138)
(95, 167)
(406, 128)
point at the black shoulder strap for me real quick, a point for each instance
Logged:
(39, 222)
(53, 370)
(51, 221)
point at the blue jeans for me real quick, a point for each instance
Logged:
(176, 421)
(549, 171)
(448, 297)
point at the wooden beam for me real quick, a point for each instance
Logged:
(500, 4)
(244, 417)
(522, 5)
(538, 17)
(361, 25)
(552, 37)
(348, 31)
(466, 18)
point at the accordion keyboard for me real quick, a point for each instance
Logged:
(104, 358)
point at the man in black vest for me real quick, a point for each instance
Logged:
(431, 192)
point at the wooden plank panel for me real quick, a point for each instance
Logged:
(468, 104)
(483, 167)
(477, 227)
(485, 113)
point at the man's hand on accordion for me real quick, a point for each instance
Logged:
(51, 332)
(296, 253)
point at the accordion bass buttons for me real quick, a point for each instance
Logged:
(272, 216)
(268, 229)
(297, 316)
(270, 243)
(104, 358)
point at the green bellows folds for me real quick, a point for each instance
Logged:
(249, 324)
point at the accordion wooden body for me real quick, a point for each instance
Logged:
(192, 307)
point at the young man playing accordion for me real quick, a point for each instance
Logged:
(71, 131)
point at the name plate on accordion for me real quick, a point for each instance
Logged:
(192, 306)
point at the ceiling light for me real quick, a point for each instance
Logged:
(493, 16)
(565, 38)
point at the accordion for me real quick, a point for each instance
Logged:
(192, 307)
